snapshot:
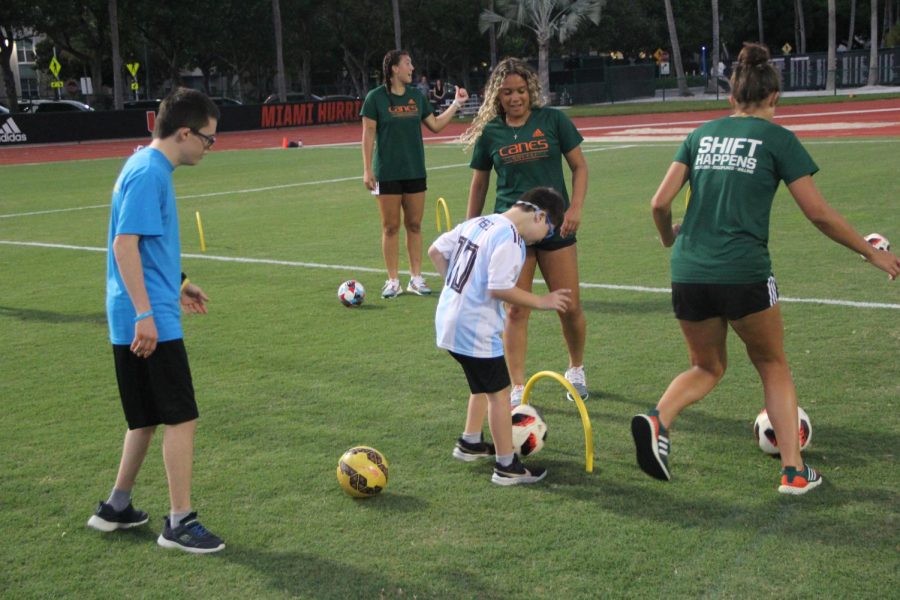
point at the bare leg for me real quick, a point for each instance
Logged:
(178, 455)
(500, 421)
(413, 209)
(476, 412)
(134, 449)
(763, 334)
(560, 271)
(706, 345)
(515, 334)
(389, 205)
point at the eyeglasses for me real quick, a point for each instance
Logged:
(551, 229)
(208, 140)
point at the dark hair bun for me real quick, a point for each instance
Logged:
(753, 55)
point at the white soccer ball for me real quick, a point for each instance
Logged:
(529, 430)
(351, 293)
(878, 241)
(765, 435)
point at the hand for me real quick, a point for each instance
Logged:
(676, 229)
(571, 221)
(145, 337)
(557, 300)
(193, 300)
(461, 96)
(369, 180)
(887, 262)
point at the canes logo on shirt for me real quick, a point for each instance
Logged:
(411, 109)
(727, 154)
(525, 151)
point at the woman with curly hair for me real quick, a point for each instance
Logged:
(394, 163)
(524, 142)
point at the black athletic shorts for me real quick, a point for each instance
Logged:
(701, 301)
(485, 375)
(554, 244)
(403, 186)
(158, 389)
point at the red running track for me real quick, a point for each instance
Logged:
(849, 119)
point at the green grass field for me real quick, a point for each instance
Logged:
(287, 379)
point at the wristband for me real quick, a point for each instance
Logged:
(457, 104)
(143, 315)
(184, 283)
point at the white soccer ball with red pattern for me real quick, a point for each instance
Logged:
(351, 293)
(529, 430)
(878, 241)
(765, 434)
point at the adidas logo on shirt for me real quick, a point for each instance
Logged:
(537, 133)
(10, 133)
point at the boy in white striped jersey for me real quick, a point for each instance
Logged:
(480, 260)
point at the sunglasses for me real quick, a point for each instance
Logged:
(551, 229)
(208, 140)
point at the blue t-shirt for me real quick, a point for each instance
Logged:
(143, 204)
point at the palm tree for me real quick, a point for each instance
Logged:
(832, 47)
(873, 47)
(118, 101)
(799, 27)
(852, 24)
(676, 51)
(280, 86)
(759, 19)
(396, 8)
(545, 18)
(713, 81)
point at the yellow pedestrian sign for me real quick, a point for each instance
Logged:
(786, 48)
(135, 86)
(55, 67)
(133, 68)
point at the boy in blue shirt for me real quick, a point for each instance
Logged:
(480, 260)
(146, 291)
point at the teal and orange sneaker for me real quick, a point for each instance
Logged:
(796, 482)
(652, 445)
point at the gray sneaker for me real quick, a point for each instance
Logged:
(575, 376)
(391, 289)
(418, 286)
(189, 536)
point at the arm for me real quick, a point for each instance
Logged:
(662, 202)
(439, 260)
(557, 300)
(832, 224)
(193, 300)
(368, 148)
(128, 259)
(578, 165)
(436, 124)
(477, 193)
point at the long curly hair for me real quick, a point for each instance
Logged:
(491, 108)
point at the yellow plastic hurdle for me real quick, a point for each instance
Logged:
(585, 419)
(200, 231)
(441, 203)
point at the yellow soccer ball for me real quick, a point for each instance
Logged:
(362, 472)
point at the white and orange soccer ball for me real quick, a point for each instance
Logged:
(765, 435)
(351, 293)
(529, 430)
(878, 241)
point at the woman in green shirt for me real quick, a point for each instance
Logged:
(721, 270)
(514, 135)
(394, 163)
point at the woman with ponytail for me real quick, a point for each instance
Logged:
(721, 269)
(394, 163)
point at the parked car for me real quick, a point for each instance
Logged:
(148, 104)
(3, 110)
(223, 101)
(293, 97)
(340, 97)
(54, 106)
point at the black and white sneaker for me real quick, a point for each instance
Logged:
(652, 445)
(189, 536)
(108, 519)
(516, 474)
(467, 452)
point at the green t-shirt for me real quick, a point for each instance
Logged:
(736, 164)
(399, 151)
(528, 156)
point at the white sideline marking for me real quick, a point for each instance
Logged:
(311, 265)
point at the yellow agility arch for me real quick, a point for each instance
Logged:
(585, 419)
(441, 203)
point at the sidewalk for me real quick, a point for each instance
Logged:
(699, 93)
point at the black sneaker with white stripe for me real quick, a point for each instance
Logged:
(516, 474)
(108, 519)
(189, 536)
(468, 452)
(652, 446)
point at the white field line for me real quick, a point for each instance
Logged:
(311, 265)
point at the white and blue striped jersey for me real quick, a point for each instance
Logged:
(484, 254)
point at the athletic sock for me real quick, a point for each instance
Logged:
(471, 438)
(662, 428)
(119, 499)
(505, 459)
(176, 517)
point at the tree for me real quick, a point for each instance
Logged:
(16, 16)
(759, 19)
(713, 81)
(799, 27)
(873, 46)
(676, 51)
(545, 18)
(832, 47)
(395, 6)
(852, 24)
(116, 56)
(279, 52)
